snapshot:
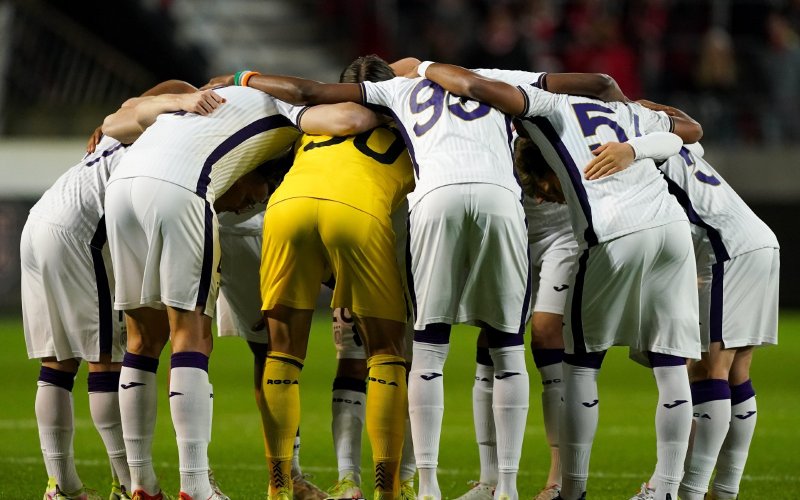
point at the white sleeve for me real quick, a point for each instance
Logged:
(512, 77)
(290, 111)
(382, 93)
(538, 102)
(658, 145)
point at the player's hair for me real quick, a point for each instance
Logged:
(273, 171)
(369, 68)
(535, 176)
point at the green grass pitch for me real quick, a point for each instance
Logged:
(623, 457)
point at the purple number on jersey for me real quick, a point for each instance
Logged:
(436, 100)
(700, 176)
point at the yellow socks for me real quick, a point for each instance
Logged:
(387, 407)
(281, 416)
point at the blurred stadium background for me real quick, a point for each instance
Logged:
(732, 64)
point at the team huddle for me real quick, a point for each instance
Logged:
(424, 195)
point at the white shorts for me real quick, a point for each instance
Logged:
(638, 290)
(554, 258)
(67, 297)
(164, 245)
(469, 259)
(239, 302)
(739, 299)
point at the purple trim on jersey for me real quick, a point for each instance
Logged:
(541, 83)
(547, 357)
(300, 117)
(715, 304)
(575, 173)
(236, 139)
(401, 127)
(720, 252)
(658, 359)
(58, 378)
(189, 360)
(742, 392)
(140, 362)
(103, 381)
(434, 333)
(350, 384)
(577, 302)
(208, 256)
(482, 356)
(593, 360)
(710, 390)
(104, 154)
(105, 309)
(526, 99)
(497, 338)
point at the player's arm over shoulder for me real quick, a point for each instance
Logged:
(681, 124)
(345, 118)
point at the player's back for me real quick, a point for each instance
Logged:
(451, 140)
(75, 200)
(714, 209)
(567, 129)
(370, 171)
(206, 154)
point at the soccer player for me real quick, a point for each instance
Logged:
(67, 294)
(635, 274)
(738, 267)
(163, 237)
(467, 244)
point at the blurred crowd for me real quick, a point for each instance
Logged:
(732, 64)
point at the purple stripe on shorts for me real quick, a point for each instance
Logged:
(482, 357)
(257, 127)
(409, 272)
(105, 308)
(208, 257)
(576, 325)
(592, 360)
(103, 381)
(349, 384)
(710, 390)
(434, 333)
(547, 357)
(715, 306)
(526, 303)
(189, 360)
(58, 378)
(660, 360)
(575, 173)
(742, 392)
(139, 362)
(496, 338)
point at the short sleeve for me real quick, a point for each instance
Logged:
(382, 93)
(513, 77)
(290, 111)
(538, 102)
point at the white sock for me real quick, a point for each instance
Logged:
(425, 408)
(733, 455)
(189, 400)
(408, 466)
(552, 385)
(137, 404)
(54, 416)
(348, 408)
(579, 414)
(104, 408)
(483, 415)
(510, 404)
(673, 426)
(712, 415)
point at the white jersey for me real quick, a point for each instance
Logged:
(566, 129)
(75, 201)
(716, 212)
(451, 141)
(206, 154)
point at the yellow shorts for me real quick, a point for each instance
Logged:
(305, 239)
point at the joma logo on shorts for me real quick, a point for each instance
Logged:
(349, 401)
(381, 381)
(279, 382)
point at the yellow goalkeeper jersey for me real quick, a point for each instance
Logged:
(370, 171)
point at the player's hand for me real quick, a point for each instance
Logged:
(218, 81)
(94, 139)
(610, 158)
(202, 102)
